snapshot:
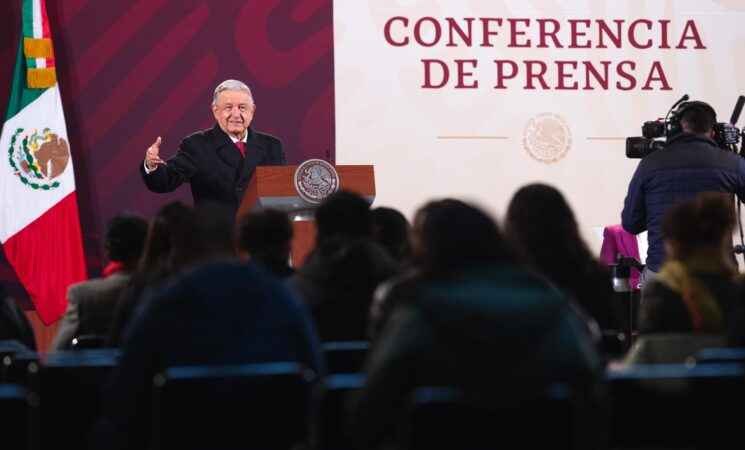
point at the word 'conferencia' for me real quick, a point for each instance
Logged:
(526, 33)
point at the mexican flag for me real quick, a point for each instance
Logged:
(39, 225)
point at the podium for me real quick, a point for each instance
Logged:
(274, 187)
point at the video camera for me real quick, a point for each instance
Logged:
(726, 135)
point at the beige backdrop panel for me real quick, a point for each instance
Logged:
(469, 143)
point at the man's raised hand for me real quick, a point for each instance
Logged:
(152, 160)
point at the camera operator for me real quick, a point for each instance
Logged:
(688, 164)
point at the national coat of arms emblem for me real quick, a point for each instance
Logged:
(315, 179)
(37, 158)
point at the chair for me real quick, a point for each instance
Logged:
(8, 350)
(670, 348)
(15, 366)
(263, 406)
(721, 355)
(84, 353)
(18, 417)
(11, 346)
(719, 396)
(70, 393)
(672, 405)
(614, 344)
(88, 341)
(329, 427)
(345, 356)
(453, 418)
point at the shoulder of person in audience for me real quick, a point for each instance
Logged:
(404, 289)
(661, 309)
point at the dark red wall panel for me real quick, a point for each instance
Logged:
(132, 70)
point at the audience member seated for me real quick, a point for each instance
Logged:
(264, 238)
(477, 321)
(542, 227)
(156, 265)
(698, 283)
(392, 231)
(339, 277)
(92, 304)
(218, 311)
(13, 323)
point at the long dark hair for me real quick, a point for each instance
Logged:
(542, 228)
(450, 234)
(161, 237)
(702, 223)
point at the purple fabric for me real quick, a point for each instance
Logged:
(617, 240)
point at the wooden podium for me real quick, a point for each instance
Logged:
(274, 187)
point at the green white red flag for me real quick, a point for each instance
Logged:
(39, 222)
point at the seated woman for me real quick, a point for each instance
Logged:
(542, 227)
(469, 317)
(697, 284)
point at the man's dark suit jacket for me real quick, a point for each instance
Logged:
(212, 164)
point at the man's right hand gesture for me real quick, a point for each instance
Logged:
(152, 160)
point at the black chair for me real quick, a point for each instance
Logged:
(454, 418)
(11, 346)
(70, 393)
(345, 356)
(721, 355)
(614, 344)
(88, 341)
(14, 366)
(719, 398)
(262, 406)
(8, 350)
(18, 417)
(329, 428)
(672, 405)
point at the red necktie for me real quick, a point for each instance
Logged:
(241, 148)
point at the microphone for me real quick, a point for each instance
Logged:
(738, 109)
(682, 99)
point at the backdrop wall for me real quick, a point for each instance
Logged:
(477, 98)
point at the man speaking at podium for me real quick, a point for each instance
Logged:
(219, 162)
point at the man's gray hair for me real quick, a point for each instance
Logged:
(232, 85)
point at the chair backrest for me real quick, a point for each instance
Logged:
(345, 356)
(14, 366)
(721, 355)
(18, 417)
(449, 418)
(614, 343)
(263, 406)
(329, 431)
(11, 346)
(88, 341)
(8, 350)
(670, 348)
(673, 405)
(70, 393)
